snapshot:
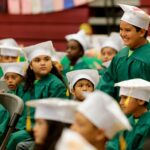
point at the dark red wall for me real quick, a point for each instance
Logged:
(31, 29)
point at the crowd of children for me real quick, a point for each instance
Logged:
(104, 107)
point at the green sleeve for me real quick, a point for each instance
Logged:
(113, 144)
(1, 72)
(4, 120)
(57, 89)
(107, 81)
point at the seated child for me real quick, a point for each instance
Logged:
(51, 116)
(109, 49)
(14, 74)
(80, 81)
(134, 99)
(77, 44)
(99, 118)
(9, 52)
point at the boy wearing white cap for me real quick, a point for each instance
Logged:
(110, 48)
(99, 118)
(133, 60)
(14, 74)
(134, 98)
(80, 81)
(77, 44)
(9, 51)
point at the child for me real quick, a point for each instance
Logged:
(99, 118)
(133, 60)
(41, 81)
(134, 98)
(77, 44)
(51, 115)
(9, 51)
(80, 81)
(110, 48)
(14, 74)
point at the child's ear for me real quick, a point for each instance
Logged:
(141, 102)
(73, 91)
(142, 32)
(100, 136)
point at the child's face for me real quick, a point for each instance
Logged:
(73, 50)
(12, 80)
(8, 59)
(41, 66)
(84, 127)
(130, 36)
(128, 106)
(107, 54)
(81, 86)
(40, 131)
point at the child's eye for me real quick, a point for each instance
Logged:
(47, 58)
(80, 85)
(128, 30)
(13, 77)
(36, 60)
(73, 48)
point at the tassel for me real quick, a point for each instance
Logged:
(18, 59)
(128, 98)
(123, 144)
(28, 120)
(67, 93)
(127, 101)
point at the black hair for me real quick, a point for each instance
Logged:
(138, 29)
(55, 129)
(30, 78)
(83, 79)
(146, 104)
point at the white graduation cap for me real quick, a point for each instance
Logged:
(81, 37)
(114, 41)
(135, 16)
(136, 88)
(71, 140)
(44, 48)
(15, 67)
(105, 113)
(56, 109)
(9, 47)
(89, 74)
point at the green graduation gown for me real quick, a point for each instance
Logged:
(1, 72)
(81, 64)
(123, 68)
(135, 138)
(48, 86)
(4, 120)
